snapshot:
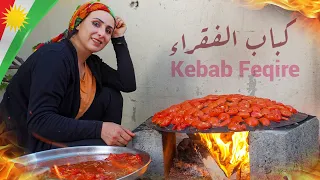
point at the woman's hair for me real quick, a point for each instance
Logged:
(78, 16)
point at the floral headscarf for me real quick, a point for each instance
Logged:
(79, 15)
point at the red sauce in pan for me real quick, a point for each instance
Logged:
(113, 167)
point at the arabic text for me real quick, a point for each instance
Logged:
(221, 40)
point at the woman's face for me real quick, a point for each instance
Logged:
(95, 31)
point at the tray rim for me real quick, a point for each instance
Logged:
(54, 154)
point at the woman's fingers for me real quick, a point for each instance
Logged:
(119, 22)
(115, 135)
(129, 132)
(119, 144)
(126, 136)
(123, 137)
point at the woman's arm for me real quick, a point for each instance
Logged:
(122, 79)
(50, 79)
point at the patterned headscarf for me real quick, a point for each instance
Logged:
(79, 15)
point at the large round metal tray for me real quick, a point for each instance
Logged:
(294, 119)
(39, 162)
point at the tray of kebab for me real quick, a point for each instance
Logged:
(225, 113)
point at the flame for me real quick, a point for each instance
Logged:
(309, 8)
(311, 26)
(307, 12)
(230, 150)
(8, 151)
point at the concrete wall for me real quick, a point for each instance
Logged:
(155, 26)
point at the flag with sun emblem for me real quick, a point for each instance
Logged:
(17, 20)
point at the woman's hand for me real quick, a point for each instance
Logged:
(115, 135)
(120, 28)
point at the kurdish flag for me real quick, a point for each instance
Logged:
(17, 19)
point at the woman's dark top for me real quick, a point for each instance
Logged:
(43, 97)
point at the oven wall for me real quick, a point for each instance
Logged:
(155, 26)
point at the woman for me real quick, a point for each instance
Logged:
(64, 95)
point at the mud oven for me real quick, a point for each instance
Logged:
(269, 153)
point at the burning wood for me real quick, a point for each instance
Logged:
(194, 160)
(213, 168)
(225, 155)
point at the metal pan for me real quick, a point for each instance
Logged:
(294, 119)
(39, 162)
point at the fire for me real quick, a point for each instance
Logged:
(230, 150)
(8, 151)
(307, 12)
(311, 26)
(7, 168)
(309, 8)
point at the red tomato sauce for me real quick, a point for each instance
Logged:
(111, 168)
